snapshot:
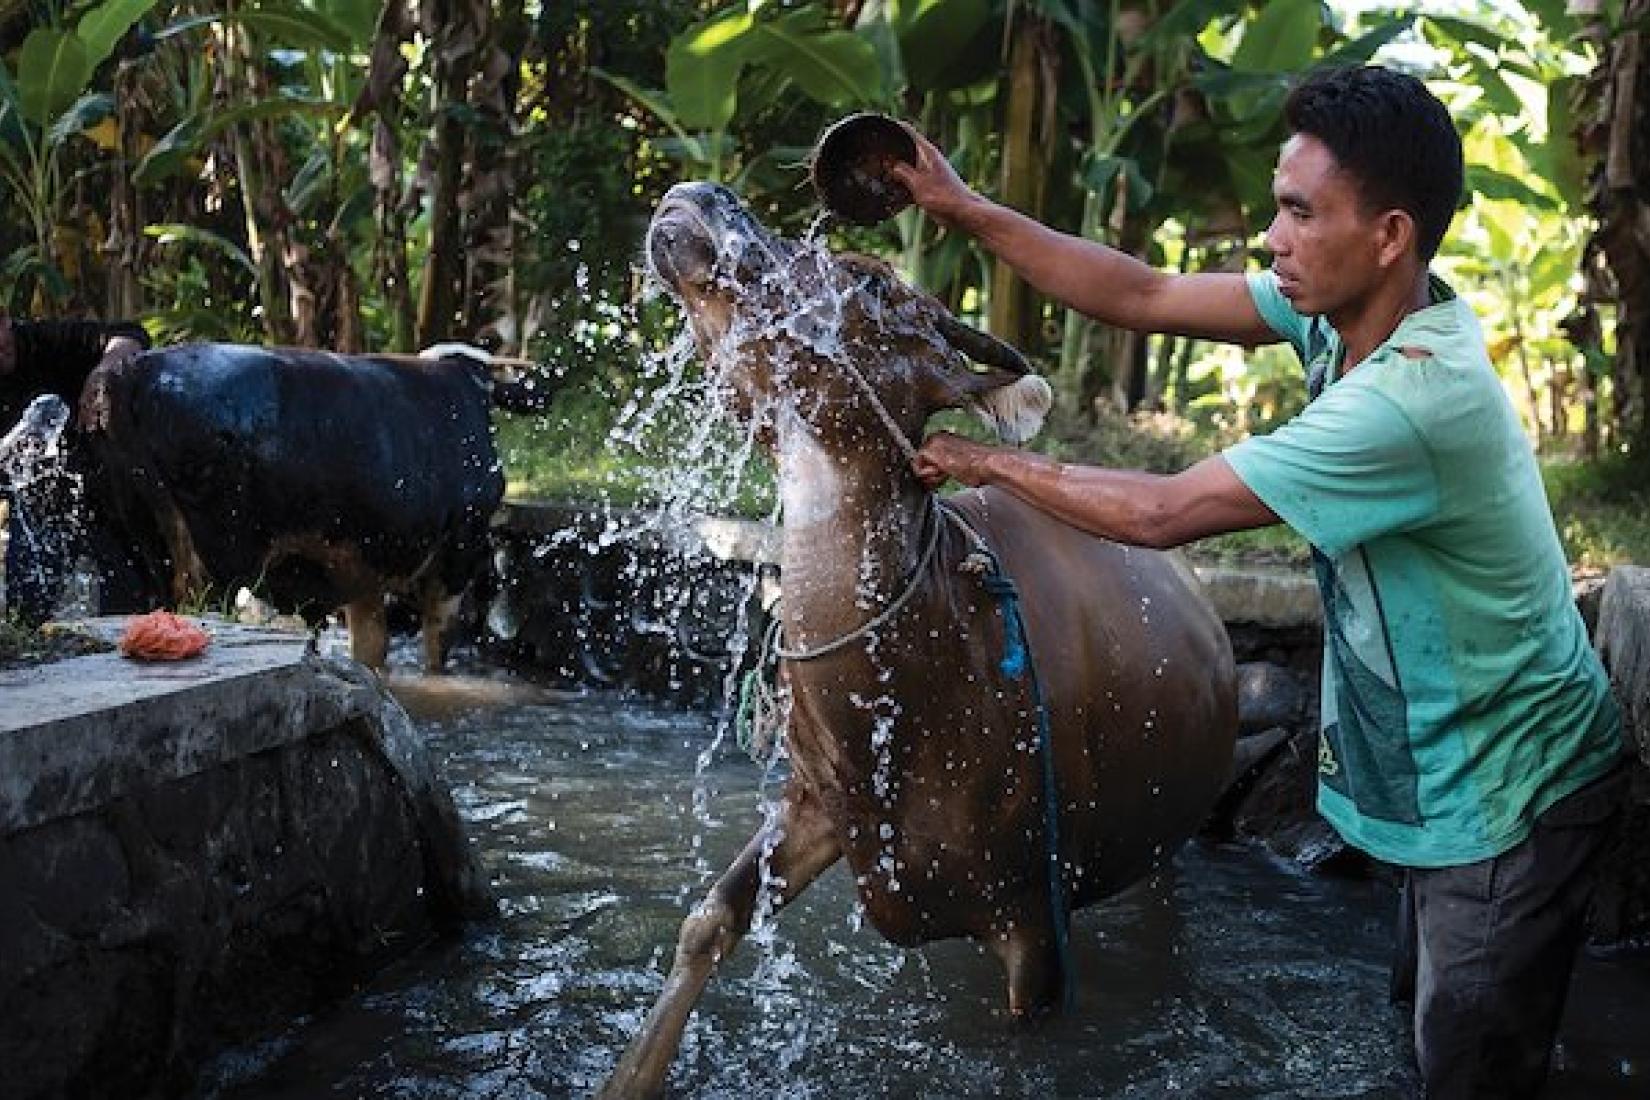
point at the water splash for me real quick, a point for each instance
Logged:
(43, 499)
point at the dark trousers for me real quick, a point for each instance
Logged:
(1486, 950)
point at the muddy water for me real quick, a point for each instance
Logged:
(1231, 976)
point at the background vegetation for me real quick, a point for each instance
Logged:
(380, 176)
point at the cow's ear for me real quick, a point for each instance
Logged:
(1017, 410)
(999, 386)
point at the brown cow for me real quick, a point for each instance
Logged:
(913, 755)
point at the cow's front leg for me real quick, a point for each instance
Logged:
(804, 845)
(1032, 961)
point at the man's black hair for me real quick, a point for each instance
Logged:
(1393, 137)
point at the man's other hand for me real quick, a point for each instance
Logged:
(944, 455)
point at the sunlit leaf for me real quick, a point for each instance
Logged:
(1281, 39)
(1493, 184)
(1505, 222)
(1460, 32)
(1364, 47)
(830, 65)
(1564, 166)
(1552, 270)
(1554, 17)
(702, 69)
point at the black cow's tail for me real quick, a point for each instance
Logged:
(509, 387)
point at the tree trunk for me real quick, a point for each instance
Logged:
(455, 30)
(1620, 198)
(490, 297)
(386, 75)
(288, 303)
(122, 249)
(1029, 134)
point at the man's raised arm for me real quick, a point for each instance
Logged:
(1104, 283)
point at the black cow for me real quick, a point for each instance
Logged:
(318, 480)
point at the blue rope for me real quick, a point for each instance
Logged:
(1017, 662)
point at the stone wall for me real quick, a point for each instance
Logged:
(193, 855)
(665, 611)
(1622, 911)
(1623, 641)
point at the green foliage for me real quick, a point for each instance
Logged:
(571, 452)
(752, 59)
(1156, 442)
(1602, 510)
(40, 114)
(589, 219)
(192, 303)
(1164, 142)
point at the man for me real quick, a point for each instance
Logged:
(1468, 733)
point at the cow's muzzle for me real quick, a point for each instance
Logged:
(699, 231)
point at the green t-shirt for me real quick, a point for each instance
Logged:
(1461, 696)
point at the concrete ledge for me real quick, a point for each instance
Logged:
(1258, 595)
(194, 853)
(78, 733)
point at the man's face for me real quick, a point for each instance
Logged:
(1325, 245)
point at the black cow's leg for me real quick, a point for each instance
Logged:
(804, 844)
(438, 611)
(369, 632)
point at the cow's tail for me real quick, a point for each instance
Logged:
(514, 385)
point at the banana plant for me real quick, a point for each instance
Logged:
(315, 82)
(48, 106)
(783, 49)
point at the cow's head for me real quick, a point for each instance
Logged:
(781, 322)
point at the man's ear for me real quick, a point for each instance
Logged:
(1396, 236)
